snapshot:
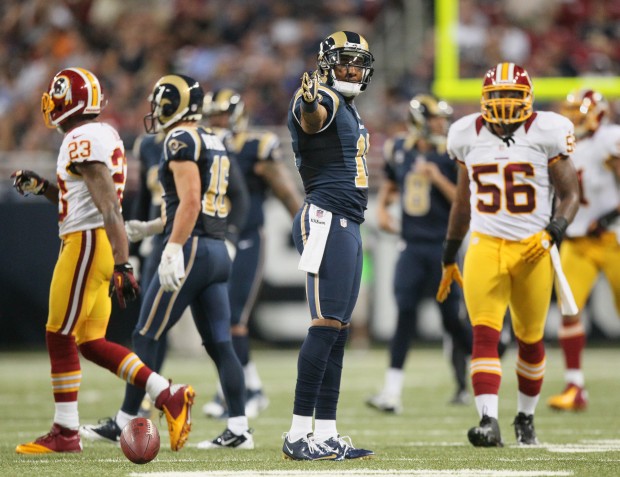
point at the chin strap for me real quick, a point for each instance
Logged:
(508, 139)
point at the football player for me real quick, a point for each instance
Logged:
(194, 266)
(420, 174)
(514, 160)
(91, 173)
(258, 154)
(330, 143)
(591, 244)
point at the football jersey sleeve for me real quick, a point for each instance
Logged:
(327, 98)
(557, 135)
(182, 144)
(268, 147)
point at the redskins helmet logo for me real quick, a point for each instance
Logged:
(62, 89)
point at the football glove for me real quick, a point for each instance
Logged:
(602, 224)
(138, 230)
(29, 182)
(310, 88)
(537, 246)
(124, 284)
(171, 267)
(450, 272)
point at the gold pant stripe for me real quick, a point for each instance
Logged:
(76, 298)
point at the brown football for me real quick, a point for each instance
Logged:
(140, 440)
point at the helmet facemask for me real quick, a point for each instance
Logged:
(509, 104)
(339, 54)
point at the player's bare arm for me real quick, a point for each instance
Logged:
(388, 192)
(458, 224)
(281, 183)
(187, 181)
(101, 187)
(564, 179)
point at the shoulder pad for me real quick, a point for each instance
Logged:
(548, 121)
(464, 122)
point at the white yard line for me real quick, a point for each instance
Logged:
(363, 473)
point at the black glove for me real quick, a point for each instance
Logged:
(125, 284)
(602, 223)
(29, 182)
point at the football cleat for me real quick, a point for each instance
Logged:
(307, 448)
(58, 439)
(228, 440)
(486, 434)
(256, 402)
(524, 429)
(216, 408)
(573, 398)
(107, 430)
(384, 403)
(344, 447)
(175, 402)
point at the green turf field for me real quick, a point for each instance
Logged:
(428, 439)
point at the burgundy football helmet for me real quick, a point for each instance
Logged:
(507, 94)
(71, 92)
(587, 109)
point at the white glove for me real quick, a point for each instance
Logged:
(171, 268)
(231, 249)
(138, 230)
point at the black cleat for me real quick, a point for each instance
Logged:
(486, 434)
(307, 448)
(228, 440)
(524, 429)
(106, 430)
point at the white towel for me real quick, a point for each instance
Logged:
(320, 222)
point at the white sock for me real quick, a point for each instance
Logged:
(487, 405)
(122, 418)
(301, 426)
(527, 404)
(393, 385)
(238, 425)
(324, 429)
(574, 376)
(252, 379)
(66, 414)
(155, 384)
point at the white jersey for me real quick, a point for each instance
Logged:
(90, 142)
(510, 191)
(600, 191)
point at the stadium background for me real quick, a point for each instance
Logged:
(261, 48)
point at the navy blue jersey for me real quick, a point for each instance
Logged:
(332, 162)
(425, 210)
(250, 147)
(201, 145)
(148, 150)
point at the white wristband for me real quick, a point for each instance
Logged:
(154, 227)
(172, 248)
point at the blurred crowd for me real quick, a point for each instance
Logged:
(261, 47)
